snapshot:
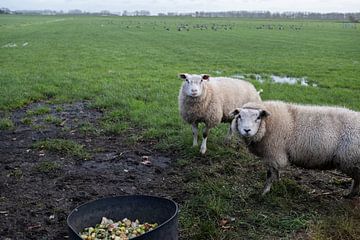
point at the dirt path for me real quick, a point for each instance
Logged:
(39, 186)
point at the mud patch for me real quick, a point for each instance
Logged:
(38, 188)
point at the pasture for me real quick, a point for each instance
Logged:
(83, 98)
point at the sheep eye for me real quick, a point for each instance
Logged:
(258, 118)
(187, 80)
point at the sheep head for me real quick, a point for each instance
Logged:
(248, 121)
(194, 84)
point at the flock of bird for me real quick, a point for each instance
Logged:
(202, 27)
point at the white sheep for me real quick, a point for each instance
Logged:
(205, 99)
(312, 137)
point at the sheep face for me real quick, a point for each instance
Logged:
(194, 84)
(247, 121)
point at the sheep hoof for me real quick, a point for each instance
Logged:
(203, 151)
(264, 193)
(266, 190)
(351, 195)
(227, 141)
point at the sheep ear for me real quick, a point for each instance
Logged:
(205, 77)
(264, 113)
(183, 76)
(234, 112)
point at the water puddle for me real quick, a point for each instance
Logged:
(303, 81)
(13, 45)
(9, 45)
(217, 72)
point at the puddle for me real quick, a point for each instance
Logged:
(217, 72)
(9, 45)
(289, 80)
(292, 81)
(238, 76)
(303, 81)
(256, 77)
(12, 45)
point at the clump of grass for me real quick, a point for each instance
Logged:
(201, 213)
(182, 162)
(38, 111)
(26, 121)
(53, 120)
(6, 124)
(17, 173)
(38, 127)
(339, 225)
(87, 128)
(59, 109)
(114, 127)
(63, 146)
(114, 122)
(47, 167)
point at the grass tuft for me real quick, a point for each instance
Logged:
(67, 147)
(38, 111)
(6, 124)
(54, 120)
(47, 167)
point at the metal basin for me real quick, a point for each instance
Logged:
(145, 208)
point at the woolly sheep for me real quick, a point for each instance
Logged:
(312, 137)
(205, 99)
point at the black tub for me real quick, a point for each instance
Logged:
(145, 208)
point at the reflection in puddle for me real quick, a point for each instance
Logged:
(289, 80)
(276, 79)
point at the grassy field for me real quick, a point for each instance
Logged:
(128, 66)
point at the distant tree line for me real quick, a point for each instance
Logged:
(351, 17)
(5, 11)
(75, 12)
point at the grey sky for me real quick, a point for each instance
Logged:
(155, 6)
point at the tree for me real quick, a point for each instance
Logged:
(5, 11)
(352, 19)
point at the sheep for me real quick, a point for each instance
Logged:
(312, 137)
(205, 99)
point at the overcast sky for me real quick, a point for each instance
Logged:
(156, 6)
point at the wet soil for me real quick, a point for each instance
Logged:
(39, 188)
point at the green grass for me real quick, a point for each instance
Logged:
(47, 167)
(17, 173)
(131, 74)
(54, 120)
(341, 226)
(38, 111)
(88, 128)
(63, 146)
(26, 120)
(6, 124)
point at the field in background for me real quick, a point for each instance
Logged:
(128, 66)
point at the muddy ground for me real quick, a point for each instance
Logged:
(39, 188)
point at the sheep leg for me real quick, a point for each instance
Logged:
(271, 176)
(195, 132)
(205, 136)
(355, 187)
(229, 136)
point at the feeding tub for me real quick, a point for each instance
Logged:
(149, 209)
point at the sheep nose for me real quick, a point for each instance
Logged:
(247, 130)
(193, 90)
